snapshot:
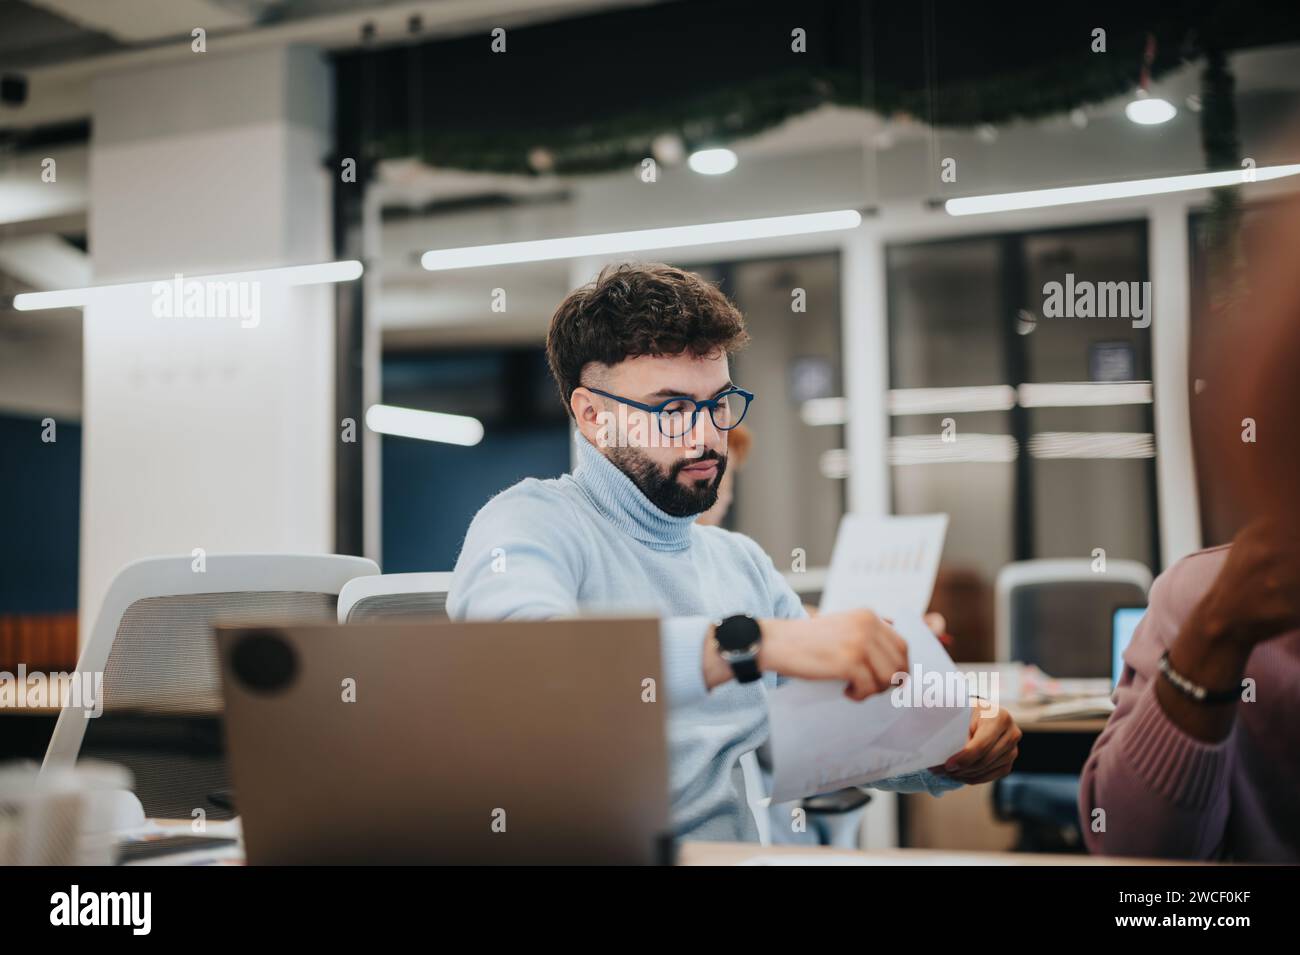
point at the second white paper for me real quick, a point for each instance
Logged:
(822, 741)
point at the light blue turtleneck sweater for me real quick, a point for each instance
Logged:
(591, 542)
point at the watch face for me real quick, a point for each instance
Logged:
(737, 633)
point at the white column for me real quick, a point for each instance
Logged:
(200, 432)
(1176, 492)
(581, 271)
(866, 382)
(372, 383)
(866, 369)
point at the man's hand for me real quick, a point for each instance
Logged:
(855, 647)
(991, 750)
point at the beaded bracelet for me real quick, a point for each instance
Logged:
(1195, 691)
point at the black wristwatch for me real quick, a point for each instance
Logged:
(739, 639)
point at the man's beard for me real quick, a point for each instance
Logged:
(665, 491)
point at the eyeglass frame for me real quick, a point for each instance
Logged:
(709, 403)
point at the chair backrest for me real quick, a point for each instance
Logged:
(394, 595)
(808, 584)
(161, 686)
(1057, 613)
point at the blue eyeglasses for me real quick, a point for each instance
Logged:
(676, 416)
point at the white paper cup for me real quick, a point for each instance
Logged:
(65, 815)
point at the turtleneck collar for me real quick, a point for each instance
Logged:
(619, 499)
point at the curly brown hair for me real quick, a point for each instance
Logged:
(633, 309)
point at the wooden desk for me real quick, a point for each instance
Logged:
(1054, 746)
(734, 853)
(721, 853)
(1090, 727)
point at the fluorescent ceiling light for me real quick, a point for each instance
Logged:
(823, 411)
(966, 400)
(1068, 195)
(424, 425)
(287, 276)
(1078, 394)
(834, 464)
(968, 448)
(712, 162)
(1092, 444)
(1150, 111)
(614, 243)
(904, 401)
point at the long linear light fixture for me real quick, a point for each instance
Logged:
(834, 464)
(962, 400)
(1068, 195)
(905, 401)
(1092, 444)
(1079, 394)
(424, 425)
(914, 401)
(969, 448)
(824, 411)
(317, 274)
(640, 240)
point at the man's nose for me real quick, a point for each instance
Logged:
(705, 432)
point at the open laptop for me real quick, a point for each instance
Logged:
(1124, 622)
(513, 742)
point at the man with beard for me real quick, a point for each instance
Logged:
(640, 357)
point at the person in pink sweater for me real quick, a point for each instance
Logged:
(1174, 776)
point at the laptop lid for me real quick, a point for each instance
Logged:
(1123, 622)
(486, 742)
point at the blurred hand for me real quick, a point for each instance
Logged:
(1257, 593)
(991, 750)
(937, 624)
(855, 647)
(1255, 597)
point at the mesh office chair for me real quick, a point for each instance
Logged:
(161, 682)
(1057, 615)
(808, 584)
(394, 595)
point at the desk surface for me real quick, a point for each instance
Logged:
(710, 853)
(739, 853)
(1092, 727)
(38, 694)
(1026, 717)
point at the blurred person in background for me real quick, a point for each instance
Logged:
(1201, 757)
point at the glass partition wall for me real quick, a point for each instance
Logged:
(1021, 403)
(790, 492)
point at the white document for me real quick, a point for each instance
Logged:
(822, 741)
(885, 564)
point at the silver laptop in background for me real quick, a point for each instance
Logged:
(471, 743)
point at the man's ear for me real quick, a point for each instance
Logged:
(586, 413)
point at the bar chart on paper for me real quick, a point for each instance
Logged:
(885, 564)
